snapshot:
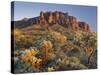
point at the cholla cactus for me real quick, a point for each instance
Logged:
(50, 69)
(30, 57)
(59, 37)
(25, 57)
(78, 35)
(45, 46)
(89, 52)
(28, 54)
(36, 62)
(34, 52)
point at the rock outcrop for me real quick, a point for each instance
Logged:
(47, 19)
(51, 18)
(83, 26)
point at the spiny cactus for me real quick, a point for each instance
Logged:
(46, 45)
(59, 37)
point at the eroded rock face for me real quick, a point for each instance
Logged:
(73, 23)
(83, 26)
(57, 17)
(47, 19)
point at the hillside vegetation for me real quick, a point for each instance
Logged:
(58, 49)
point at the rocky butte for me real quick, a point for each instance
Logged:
(48, 19)
(57, 17)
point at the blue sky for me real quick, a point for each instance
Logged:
(87, 14)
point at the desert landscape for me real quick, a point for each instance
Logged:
(53, 41)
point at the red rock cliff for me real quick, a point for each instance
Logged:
(57, 17)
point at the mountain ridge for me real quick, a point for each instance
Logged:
(48, 19)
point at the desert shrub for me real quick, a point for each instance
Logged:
(27, 59)
(22, 40)
(59, 38)
(17, 33)
(54, 50)
(70, 63)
